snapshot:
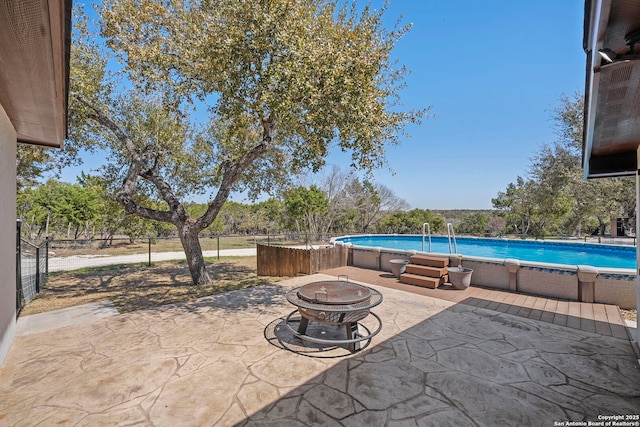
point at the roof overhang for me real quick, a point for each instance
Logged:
(612, 92)
(35, 38)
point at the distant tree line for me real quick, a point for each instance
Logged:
(339, 204)
(552, 199)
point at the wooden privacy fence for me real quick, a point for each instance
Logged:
(291, 262)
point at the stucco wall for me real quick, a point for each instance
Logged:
(485, 273)
(367, 258)
(610, 289)
(548, 282)
(7, 234)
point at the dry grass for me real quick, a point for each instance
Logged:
(629, 314)
(134, 287)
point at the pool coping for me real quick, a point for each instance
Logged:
(538, 264)
(571, 282)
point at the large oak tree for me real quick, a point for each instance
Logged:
(283, 83)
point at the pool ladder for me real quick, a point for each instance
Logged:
(451, 235)
(428, 228)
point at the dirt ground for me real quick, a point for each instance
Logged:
(133, 288)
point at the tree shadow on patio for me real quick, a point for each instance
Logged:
(460, 365)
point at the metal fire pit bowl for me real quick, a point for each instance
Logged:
(334, 292)
(334, 302)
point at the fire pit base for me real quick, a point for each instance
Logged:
(354, 337)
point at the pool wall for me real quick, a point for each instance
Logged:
(577, 283)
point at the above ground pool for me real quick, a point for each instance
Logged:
(596, 255)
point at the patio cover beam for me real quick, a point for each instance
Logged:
(611, 137)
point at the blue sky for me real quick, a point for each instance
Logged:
(492, 72)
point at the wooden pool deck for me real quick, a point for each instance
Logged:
(603, 319)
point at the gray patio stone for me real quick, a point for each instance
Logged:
(445, 343)
(332, 402)
(282, 409)
(418, 407)
(497, 347)
(605, 373)
(419, 348)
(380, 354)
(500, 404)
(401, 423)
(228, 360)
(518, 342)
(271, 423)
(448, 418)
(366, 418)
(480, 364)
(604, 346)
(312, 416)
(401, 350)
(568, 398)
(382, 385)
(428, 366)
(544, 374)
(602, 403)
(337, 377)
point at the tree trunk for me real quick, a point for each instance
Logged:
(602, 227)
(193, 251)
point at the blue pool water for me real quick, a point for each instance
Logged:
(524, 250)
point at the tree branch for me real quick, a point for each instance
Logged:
(233, 171)
(137, 167)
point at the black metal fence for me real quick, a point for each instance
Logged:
(31, 269)
(607, 240)
(67, 255)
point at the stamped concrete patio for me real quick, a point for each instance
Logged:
(228, 360)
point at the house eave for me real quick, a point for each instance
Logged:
(35, 40)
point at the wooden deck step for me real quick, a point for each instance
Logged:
(424, 270)
(431, 261)
(427, 282)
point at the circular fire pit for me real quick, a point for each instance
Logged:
(334, 302)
